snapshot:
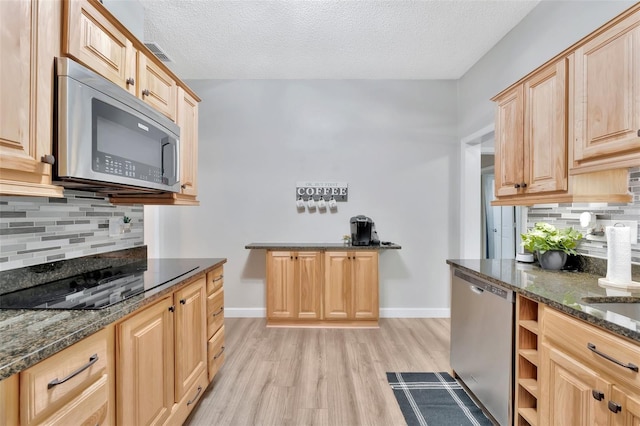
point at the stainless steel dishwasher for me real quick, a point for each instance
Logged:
(482, 341)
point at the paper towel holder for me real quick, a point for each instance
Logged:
(619, 288)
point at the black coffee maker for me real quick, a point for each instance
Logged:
(363, 231)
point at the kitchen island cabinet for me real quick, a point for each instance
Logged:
(351, 286)
(316, 284)
(294, 285)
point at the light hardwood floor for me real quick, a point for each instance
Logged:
(318, 376)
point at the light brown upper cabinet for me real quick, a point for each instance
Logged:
(29, 43)
(96, 41)
(568, 131)
(531, 142)
(607, 99)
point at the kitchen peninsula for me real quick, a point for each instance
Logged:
(322, 284)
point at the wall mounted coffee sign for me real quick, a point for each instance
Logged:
(325, 190)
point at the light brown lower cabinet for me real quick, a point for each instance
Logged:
(587, 376)
(351, 285)
(72, 386)
(162, 368)
(337, 287)
(294, 285)
(151, 368)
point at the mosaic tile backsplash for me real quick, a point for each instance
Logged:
(35, 230)
(565, 215)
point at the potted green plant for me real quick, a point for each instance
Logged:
(550, 244)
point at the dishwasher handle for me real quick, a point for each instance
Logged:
(476, 289)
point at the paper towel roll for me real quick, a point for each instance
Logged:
(618, 254)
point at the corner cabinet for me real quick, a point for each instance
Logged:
(29, 43)
(607, 99)
(162, 353)
(588, 376)
(330, 288)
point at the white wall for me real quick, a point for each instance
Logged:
(393, 142)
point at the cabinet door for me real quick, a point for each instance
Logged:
(309, 284)
(188, 122)
(607, 99)
(364, 285)
(572, 394)
(545, 137)
(190, 336)
(629, 401)
(157, 88)
(281, 285)
(509, 143)
(337, 283)
(91, 39)
(145, 371)
(29, 43)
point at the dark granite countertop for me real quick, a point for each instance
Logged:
(571, 292)
(319, 246)
(29, 336)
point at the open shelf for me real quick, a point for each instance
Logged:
(526, 392)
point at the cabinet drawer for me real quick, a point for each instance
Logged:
(215, 279)
(215, 312)
(90, 408)
(48, 385)
(576, 337)
(215, 352)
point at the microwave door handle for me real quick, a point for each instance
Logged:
(175, 165)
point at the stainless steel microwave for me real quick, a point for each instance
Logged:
(109, 141)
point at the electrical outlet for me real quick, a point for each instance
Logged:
(601, 225)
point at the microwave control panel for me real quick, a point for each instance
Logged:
(113, 165)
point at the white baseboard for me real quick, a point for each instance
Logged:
(384, 312)
(415, 313)
(245, 312)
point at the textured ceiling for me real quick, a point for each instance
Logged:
(328, 39)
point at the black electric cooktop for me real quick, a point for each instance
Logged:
(99, 288)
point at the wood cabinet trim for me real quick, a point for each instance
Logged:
(568, 51)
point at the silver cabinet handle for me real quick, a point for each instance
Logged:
(216, 279)
(55, 382)
(195, 397)
(219, 354)
(219, 312)
(48, 159)
(630, 366)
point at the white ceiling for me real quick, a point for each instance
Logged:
(328, 39)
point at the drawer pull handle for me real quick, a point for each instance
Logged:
(195, 397)
(56, 381)
(597, 395)
(630, 366)
(219, 312)
(219, 354)
(614, 407)
(216, 279)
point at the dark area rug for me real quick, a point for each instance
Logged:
(434, 399)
